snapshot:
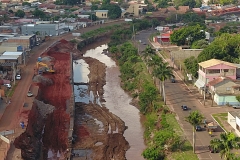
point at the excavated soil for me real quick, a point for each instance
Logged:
(97, 134)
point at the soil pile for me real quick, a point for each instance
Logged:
(48, 122)
(97, 135)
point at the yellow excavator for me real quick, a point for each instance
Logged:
(47, 69)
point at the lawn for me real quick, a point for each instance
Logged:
(221, 118)
(186, 152)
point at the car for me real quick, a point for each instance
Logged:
(29, 94)
(184, 107)
(144, 43)
(37, 44)
(18, 77)
(173, 80)
(198, 128)
(8, 85)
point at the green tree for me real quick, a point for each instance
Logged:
(191, 65)
(147, 55)
(106, 1)
(20, 13)
(189, 34)
(114, 11)
(26, 4)
(38, 13)
(226, 143)
(10, 11)
(154, 61)
(94, 7)
(200, 44)
(238, 98)
(163, 72)
(93, 17)
(195, 118)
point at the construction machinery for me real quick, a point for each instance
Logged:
(43, 67)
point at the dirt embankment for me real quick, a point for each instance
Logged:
(97, 132)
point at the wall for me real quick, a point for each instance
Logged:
(223, 86)
(221, 66)
(8, 48)
(42, 29)
(102, 14)
(223, 100)
(232, 122)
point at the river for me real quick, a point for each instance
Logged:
(118, 102)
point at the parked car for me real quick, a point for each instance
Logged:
(173, 80)
(29, 94)
(236, 107)
(8, 85)
(198, 128)
(18, 77)
(184, 107)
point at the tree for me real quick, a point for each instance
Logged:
(191, 65)
(20, 13)
(26, 4)
(187, 34)
(154, 62)
(225, 144)
(163, 72)
(195, 118)
(106, 1)
(114, 11)
(147, 55)
(38, 13)
(94, 7)
(92, 17)
(10, 11)
(238, 98)
(200, 44)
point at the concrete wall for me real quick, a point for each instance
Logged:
(8, 48)
(226, 99)
(102, 14)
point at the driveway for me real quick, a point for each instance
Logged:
(178, 94)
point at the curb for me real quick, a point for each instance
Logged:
(218, 124)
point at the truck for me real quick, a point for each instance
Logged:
(42, 67)
(211, 127)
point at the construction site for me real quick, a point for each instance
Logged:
(59, 128)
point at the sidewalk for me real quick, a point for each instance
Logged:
(209, 108)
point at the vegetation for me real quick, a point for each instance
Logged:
(38, 13)
(20, 13)
(188, 35)
(225, 144)
(220, 118)
(225, 47)
(67, 2)
(114, 11)
(194, 118)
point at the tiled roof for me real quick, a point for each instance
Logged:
(218, 80)
(214, 62)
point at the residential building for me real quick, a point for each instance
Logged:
(134, 10)
(102, 14)
(11, 48)
(212, 69)
(224, 91)
(234, 121)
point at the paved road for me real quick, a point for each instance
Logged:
(10, 118)
(177, 94)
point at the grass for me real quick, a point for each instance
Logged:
(10, 92)
(186, 152)
(220, 118)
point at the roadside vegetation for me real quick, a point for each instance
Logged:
(143, 75)
(221, 118)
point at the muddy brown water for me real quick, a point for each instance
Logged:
(117, 101)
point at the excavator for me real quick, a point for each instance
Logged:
(46, 68)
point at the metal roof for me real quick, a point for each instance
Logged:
(12, 53)
(9, 57)
(214, 62)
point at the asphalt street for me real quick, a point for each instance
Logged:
(177, 94)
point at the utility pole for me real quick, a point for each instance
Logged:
(204, 93)
(133, 33)
(13, 73)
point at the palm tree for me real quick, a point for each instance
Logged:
(154, 62)
(225, 144)
(147, 54)
(163, 72)
(195, 118)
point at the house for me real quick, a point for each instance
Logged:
(234, 121)
(212, 69)
(224, 91)
(101, 13)
(182, 9)
(25, 41)
(133, 10)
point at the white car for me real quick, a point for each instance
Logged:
(18, 77)
(8, 85)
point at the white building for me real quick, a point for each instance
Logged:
(234, 121)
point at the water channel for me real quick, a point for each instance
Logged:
(117, 101)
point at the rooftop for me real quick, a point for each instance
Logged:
(235, 113)
(218, 80)
(214, 62)
(12, 57)
(12, 53)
